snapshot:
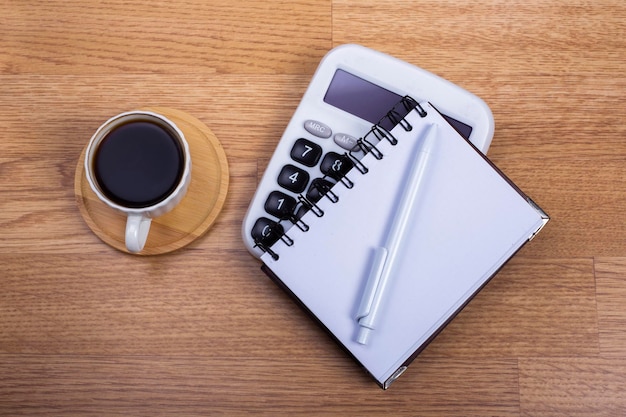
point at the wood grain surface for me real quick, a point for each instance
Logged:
(88, 330)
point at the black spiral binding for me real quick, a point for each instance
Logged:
(311, 206)
(397, 119)
(357, 163)
(324, 190)
(396, 116)
(274, 232)
(367, 144)
(298, 222)
(381, 133)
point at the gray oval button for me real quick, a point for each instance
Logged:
(345, 141)
(318, 129)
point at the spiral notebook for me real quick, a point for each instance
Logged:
(467, 220)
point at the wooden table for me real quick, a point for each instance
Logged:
(88, 330)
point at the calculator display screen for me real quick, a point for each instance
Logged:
(359, 97)
(369, 101)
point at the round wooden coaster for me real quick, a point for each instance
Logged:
(191, 218)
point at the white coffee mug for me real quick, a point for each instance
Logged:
(139, 163)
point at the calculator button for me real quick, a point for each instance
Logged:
(301, 211)
(306, 152)
(318, 129)
(318, 189)
(280, 205)
(345, 141)
(266, 231)
(293, 178)
(336, 165)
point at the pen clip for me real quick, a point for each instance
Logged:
(373, 281)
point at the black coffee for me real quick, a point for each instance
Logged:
(138, 164)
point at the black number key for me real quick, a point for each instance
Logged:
(320, 188)
(306, 152)
(336, 165)
(293, 178)
(280, 205)
(266, 231)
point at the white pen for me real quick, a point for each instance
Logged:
(386, 256)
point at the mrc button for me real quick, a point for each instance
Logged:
(318, 129)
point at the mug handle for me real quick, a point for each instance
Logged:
(137, 228)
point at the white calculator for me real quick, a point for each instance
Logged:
(353, 89)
